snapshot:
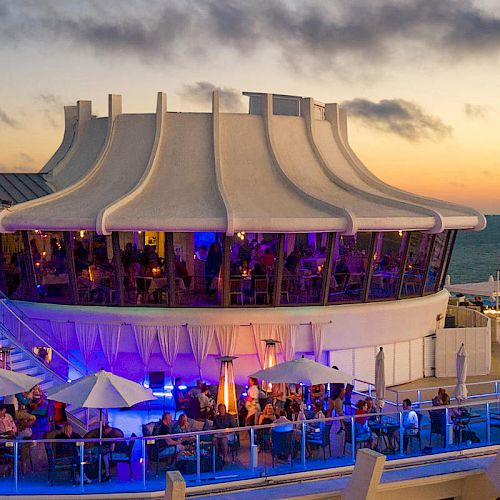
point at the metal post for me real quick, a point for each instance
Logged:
(401, 434)
(198, 459)
(488, 424)
(253, 455)
(82, 471)
(419, 397)
(447, 429)
(303, 445)
(496, 388)
(143, 462)
(370, 390)
(16, 456)
(353, 439)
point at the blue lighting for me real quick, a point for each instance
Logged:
(183, 387)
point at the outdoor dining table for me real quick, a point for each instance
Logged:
(384, 427)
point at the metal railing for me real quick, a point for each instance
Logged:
(466, 426)
(370, 390)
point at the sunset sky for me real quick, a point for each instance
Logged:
(420, 79)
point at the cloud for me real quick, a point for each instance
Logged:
(318, 32)
(52, 108)
(476, 110)
(201, 93)
(8, 120)
(398, 116)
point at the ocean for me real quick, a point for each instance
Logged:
(476, 254)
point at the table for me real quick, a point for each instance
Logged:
(384, 427)
(55, 279)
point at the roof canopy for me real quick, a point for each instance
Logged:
(285, 167)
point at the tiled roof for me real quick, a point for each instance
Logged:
(23, 187)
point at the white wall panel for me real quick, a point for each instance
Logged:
(416, 359)
(402, 365)
(343, 359)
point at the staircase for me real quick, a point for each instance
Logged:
(17, 333)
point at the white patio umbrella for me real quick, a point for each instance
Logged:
(14, 382)
(303, 370)
(380, 379)
(461, 388)
(101, 390)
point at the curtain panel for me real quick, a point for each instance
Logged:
(226, 337)
(86, 334)
(109, 336)
(201, 337)
(145, 336)
(169, 338)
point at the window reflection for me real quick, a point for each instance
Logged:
(414, 275)
(252, 268)
(436, 263)
(389, 252)
(349, 266)
(304, 268)
(15, 266)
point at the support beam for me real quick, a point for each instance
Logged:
(118, 265)
(369, 271)
(327, 269)
(3, 278)
(365, 476)
(28, 281)
(69, 246)
(226, 272)
(170, 268)
(278, 270)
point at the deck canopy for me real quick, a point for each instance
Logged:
(285, 167)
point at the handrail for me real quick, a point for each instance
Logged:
(6, 302)
(372, 384)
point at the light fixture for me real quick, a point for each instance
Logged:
(400, 232)
(82, 233)
(269, 360)
(226, 393)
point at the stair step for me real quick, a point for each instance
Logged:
(19, 366)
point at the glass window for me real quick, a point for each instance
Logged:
(95, 276)
(388, 257)
(51, 270)
(418, 253)
(349, 267)
(303, 269)
(252, 268)
(436, 263)
(198, 268)
(14, 265)
(446, 261)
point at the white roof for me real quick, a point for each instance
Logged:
(221, 171)
(490, 288)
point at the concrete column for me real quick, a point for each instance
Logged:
(176, 486)
(365, 476)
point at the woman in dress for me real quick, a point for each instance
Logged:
(337, 431)
(252, 400)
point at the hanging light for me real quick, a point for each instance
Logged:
(82, 233)
(227, 389)
(400, 232)
(269, 360)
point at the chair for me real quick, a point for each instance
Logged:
(167, 454)
(438, 424)
(362, 440)
(408, 438)
(157, 382)
(285, 288)
(236, 290)
(56, 460)
(282, 445)
(320, 438)
(142, 289)
(261, 288)
(123, 453)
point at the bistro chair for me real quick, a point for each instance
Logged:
(363, 440)
(319, 437)
(57, 461)
(282, 445)
(123, 453)
(236, 290)
(438, 424)
(261, 288)
(285, 288)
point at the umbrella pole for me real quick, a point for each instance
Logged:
(100, 451)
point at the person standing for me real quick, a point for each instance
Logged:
(252, 404)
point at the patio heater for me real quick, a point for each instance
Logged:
(269, 360)
(227, 389)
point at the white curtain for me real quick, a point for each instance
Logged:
(60, 332)
(201, 337)
(110, 341)
(86, 334)
(287, 335)
(263, 332)
(144, 337)
(318, 334)
(169, 337)
(226, 337)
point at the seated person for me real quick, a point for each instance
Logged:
(293, 399)
(8, 428)
(370, 408)
(223, 420)
(362, 429)
(317, 393)
(278, 395)
(318, 411)
(24, 400)
(278, 423)
(181, 400)
(206, 403)
(437, 400)
(164, 426)
(168, 445)
(265, 418)
(194, 391)
(410, 423)
(182, 426)
(107, 447)
(69, 450)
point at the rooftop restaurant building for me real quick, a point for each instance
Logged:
(160, 241)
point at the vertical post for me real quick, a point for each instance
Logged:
(401, 434)
(3, 280)
(447, 430)
(143, 462)
(118, 265)
(303, 445)
(198, 459)
(226, 272)
(401, 277)
(419, 397)
(327, 269)
(278, 270)
(29, 269)
(428, 264)
(369, 271)
(253, 455)
(69, 245)
(16, 463)
(170, 268)
(488, 424)
(353, 439)
(448, 255)
(82, 471)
